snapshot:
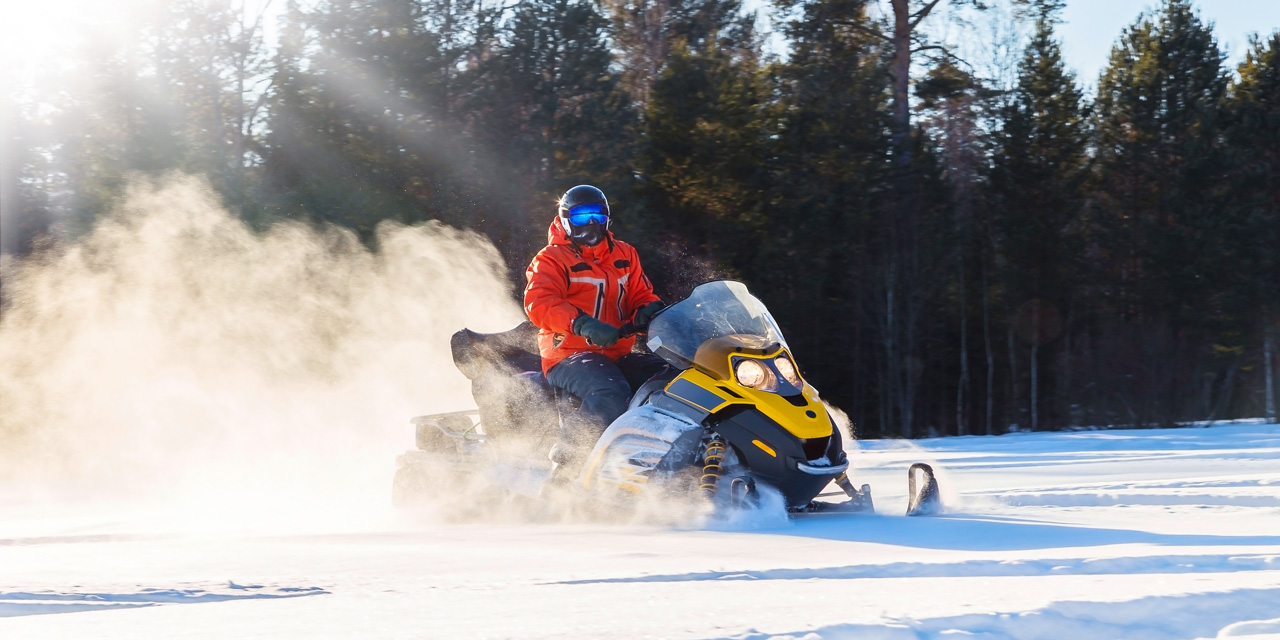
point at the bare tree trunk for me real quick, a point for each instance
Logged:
(1174, 377)
(1064, 382)
(1206, 397)
(900, 73)
(986, 342)
(1014, 410)
(9, 180)
(958, 150)
(1222, 408)
(859, 380)
(963, 385)
(901, 226)
(1035, 366)
(902, 268)
(1268, 359)
(910, 369)
(886, 396)
(220, 123)
(238, 148)
(893, 363)
(448, 40)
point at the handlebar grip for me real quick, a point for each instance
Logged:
(629, 329)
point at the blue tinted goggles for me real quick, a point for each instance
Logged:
(585, 214)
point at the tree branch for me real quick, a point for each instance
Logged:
(864, 29)
(260, 102)
(257, 22)
(945, 52)
(923, 13)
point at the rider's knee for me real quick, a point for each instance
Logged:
(607, 401)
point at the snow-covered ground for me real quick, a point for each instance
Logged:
(1104, 534)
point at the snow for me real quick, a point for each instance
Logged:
(1137, 534)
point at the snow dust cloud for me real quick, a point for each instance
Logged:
(173, 355)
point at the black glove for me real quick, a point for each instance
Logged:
(597, 333)
(646, 313)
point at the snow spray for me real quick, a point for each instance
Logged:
(172, 354)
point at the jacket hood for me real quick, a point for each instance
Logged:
(556, 234)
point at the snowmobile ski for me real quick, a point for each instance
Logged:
(922, 491)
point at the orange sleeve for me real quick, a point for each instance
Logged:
(641, 293)
(545, 295)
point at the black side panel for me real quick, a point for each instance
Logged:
(667, 403)
(747, 424)
(653, 385)
(742, 427)
(684, 451)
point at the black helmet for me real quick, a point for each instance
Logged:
(587, 204)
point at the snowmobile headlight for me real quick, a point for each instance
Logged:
(787, 368)
(753, 374)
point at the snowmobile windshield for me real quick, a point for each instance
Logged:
(714, 310)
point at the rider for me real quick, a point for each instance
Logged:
(583, 286)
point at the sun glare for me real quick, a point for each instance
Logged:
(38, 37)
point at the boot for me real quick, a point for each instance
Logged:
(564, 469)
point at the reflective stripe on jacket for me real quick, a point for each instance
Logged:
(565, 280)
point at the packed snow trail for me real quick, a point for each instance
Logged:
(1144, 534)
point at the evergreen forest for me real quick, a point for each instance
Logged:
(951, 246)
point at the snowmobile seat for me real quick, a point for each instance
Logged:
(506, 360)
(479, 355)
(507, 384)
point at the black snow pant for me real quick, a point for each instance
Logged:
(605, 388)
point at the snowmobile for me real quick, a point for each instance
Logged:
(729, 414)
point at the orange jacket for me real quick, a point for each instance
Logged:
(565, 280)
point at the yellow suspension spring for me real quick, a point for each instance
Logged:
(711, 466)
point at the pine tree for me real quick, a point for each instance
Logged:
(905, 289)
(210, 56)
(703, 166)
(26, 212)
(1037, 199)
(644, 32)
(551, 108)
(340, 131)
(828, 176)
(363, 125)
(1159, 215)
(955, 99)
(1253, 132)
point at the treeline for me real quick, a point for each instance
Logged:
(947, 253)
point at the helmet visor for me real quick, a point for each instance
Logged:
(585, 214)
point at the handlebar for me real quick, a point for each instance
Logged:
(630, 328)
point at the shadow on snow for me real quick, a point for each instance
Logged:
(990, 533)
(1227, 563)
(17, 603)
(1200, 615)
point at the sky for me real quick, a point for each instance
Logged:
(1091, 27)
(33, 34)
